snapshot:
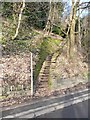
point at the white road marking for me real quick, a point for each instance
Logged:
(50, 108)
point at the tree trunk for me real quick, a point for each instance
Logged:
(19, 20)
(71, 40)
(79, 31)
(48, 24)
(51, 17)
(72, 30)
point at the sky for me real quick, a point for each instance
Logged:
(75, 0)
(85, 12)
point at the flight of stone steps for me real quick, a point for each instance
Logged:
(43, 77)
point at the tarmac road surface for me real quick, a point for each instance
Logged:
(80, 110)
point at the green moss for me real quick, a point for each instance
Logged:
(2, 97)
(56, 30)
(86, 75)
(49, 83)
(47, 47)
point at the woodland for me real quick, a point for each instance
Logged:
(57, 37)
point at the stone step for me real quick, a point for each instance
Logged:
(43, 81)
(44, 69)
(42, 86)
(42, 74)
(43, 77)
(45, 74)
(48, 59)
(53, 62)
(48, 63)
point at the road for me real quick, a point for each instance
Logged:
(65, 106)
(80, 110)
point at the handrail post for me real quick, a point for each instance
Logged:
(31, 74)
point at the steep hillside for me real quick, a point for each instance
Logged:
(53, 71)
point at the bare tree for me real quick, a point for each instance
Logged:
(53, 14)
(71, 40)
(19, 20)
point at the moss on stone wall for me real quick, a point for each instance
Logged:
(47, 47)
